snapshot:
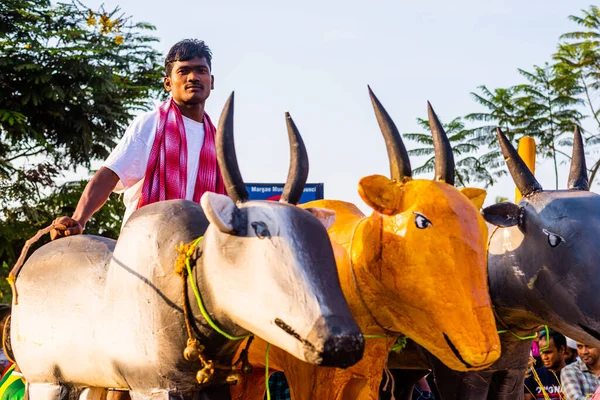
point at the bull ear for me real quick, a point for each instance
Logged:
(381, 194)
(476, 195)
(503, 214)
(327, 217)
(219, 210)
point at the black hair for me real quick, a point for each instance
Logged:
(185, 50)
(559, 338)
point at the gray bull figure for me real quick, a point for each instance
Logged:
(543, 270)
(95, 313)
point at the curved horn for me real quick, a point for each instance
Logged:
(298, 172)
(226, 158)
(578, 178)
(444, 159)
(524, 179)
(399, 161)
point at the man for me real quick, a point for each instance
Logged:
(580, 379)
(165, 154)
(552, 351)
(571, 353)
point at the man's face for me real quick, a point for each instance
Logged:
(552, 358)
(190, 82)
(570, 355)
(589, 355)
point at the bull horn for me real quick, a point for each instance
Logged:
(399, 161)
(524, 179)
(227, 160)
(298, 172)
(444, 159)
(578, 178)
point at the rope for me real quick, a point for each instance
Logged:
(203, 310)
(267, 371)
(532, 336)
(14, 272)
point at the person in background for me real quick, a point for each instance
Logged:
(552, 352)
(580, 379)
(4, 361)
(571, 353)
(12, 383)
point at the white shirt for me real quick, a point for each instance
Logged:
(129, 159)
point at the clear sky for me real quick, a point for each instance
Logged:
(315, 59)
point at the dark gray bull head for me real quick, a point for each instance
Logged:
(281, 257)
(545, 266)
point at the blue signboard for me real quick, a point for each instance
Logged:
(272, 191)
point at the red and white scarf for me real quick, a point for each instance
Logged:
(166, 174)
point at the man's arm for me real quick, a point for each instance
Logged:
(94, 196)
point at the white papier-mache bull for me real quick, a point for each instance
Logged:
(95, 313)
(543, 270)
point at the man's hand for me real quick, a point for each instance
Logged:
(94, 195)
(65, 226)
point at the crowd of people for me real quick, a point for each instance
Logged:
(570, 370)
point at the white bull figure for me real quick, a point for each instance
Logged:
(95, 313)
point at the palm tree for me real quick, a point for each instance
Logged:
(548, 108)
(579, 53)
(469, 168)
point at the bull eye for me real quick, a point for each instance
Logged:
(421, 221)
(261, 230)
(553, 239)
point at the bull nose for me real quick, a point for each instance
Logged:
(342, 342)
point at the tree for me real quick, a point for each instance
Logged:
(548, 108)
(21, 223)
(579, 53)
(468, 167)
(71, 80)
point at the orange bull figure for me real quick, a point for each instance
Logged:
(416, 267)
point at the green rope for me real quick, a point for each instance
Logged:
(517, 336)
(398, 345)
(267, 371)
(199, 298)
(547, 331)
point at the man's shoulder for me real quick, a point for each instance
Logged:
(145, 118)
(143, 126)
(571, 369)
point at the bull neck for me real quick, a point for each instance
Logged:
(218, 346)
(358, 274)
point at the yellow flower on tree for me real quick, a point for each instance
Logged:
(107, 24)
(118, 39)
(28, 46)
(91, 20)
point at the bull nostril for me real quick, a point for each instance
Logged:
(338, 341)
(343, 351)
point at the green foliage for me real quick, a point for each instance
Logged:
(469, 168)
(71, 80)
(67, 88)
(579, 54)
(546, 106)
(21, 223)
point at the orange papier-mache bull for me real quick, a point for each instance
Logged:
(415, 267)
